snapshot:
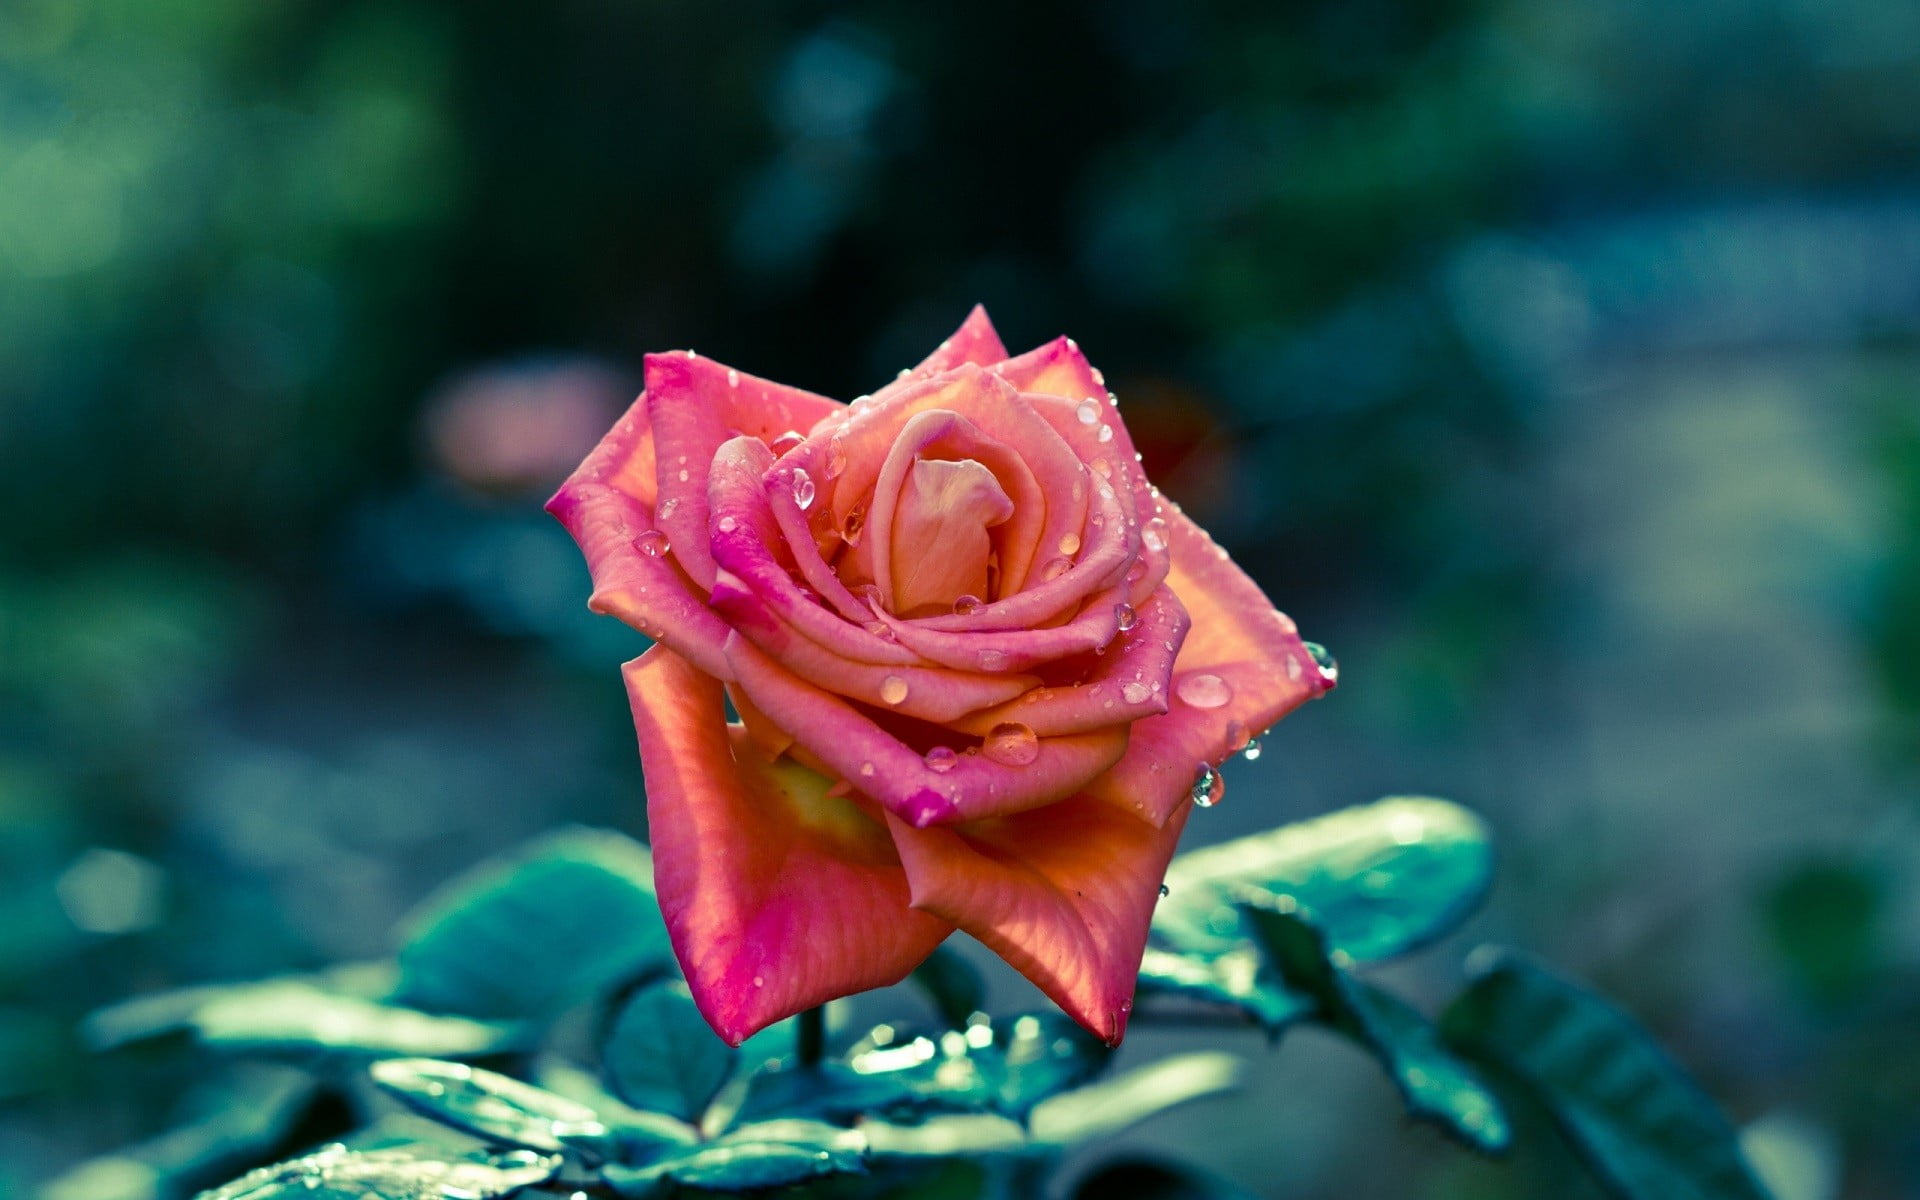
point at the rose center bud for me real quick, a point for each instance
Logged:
(940, 545)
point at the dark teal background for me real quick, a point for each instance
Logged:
(1553, 363)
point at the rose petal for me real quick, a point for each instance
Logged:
(1132, 680)
(1014, 649)
(939, 539)
(1063, 893)
(974, 342)
(776, 897)
(1239, 638)
(603, 506)
(695, 405)
(882, 766)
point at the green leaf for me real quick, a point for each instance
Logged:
(159, 1014)
(532, 933)
(1113, 1105)
(1643, 1126)
(412, 1173)
(1005, 1067)
(1381, 879)
(491, 1105)
(770, 1155)
(953, 985)
(1435, 1085)
(295, 1017)
(661, 1054)
(1241, 979)
(829, 1089)
(633, 1136)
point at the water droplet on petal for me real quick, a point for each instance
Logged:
(1103, 468)
(651, 543)
(993, 660)
(1165, 890)
(668, 507)
(1154, 535)
(803, 490)
(1251, 752)
(866, 770)
(854, 525)
(1088, 411)
(881, 630)
(727, 524)
(1105, 434)
(785, 442)
(966, 606)
(1011, 743)
(1123, 616)
(836, 456)
(759, 981)
(893, 689)
(1204, 691)
(941, 759)
(733, 377)
(683, 476)
(1329, 668)
(1208, 786)
(1069, 543)
(1135, 692)
(1054, 569)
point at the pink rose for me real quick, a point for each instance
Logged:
(977, 659)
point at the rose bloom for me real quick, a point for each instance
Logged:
(978, 664)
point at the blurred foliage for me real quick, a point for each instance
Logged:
(1513, 345)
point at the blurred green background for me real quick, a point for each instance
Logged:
(1557, 364)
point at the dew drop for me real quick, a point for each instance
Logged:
(866, 770)
(803, 490)
(1154, 535)
(1124, 617)
(1204, 691)
(1105, 434)
(727, 524)
(993, 660)
(1135, 692)
(759, 981)
(1088, 411)
(1103, 468)
(1054, 569)
(1251, 752)
(836, 456)
(941, 759)
(966, 606)
(1329, 668)
(1011, 743)
(789, 440)
(668, 507)
(854, 525)
(893, 689)
(683, 476)
(1165, 890)
(733, 377)
(881, 630)
(651, 543)
(1208, 786)
(1069, 543)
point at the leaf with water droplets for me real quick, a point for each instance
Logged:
(1004, 1066)
(662, 1055)
(1436, 1086)
(774, 1154)
(952, 983)
(491, 1105)
(1240, 978)
(1644, 1127)
(1381, 879)
(396, 1173)
(535, 931)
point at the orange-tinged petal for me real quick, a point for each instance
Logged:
(1063, 893)
(974, 342)
(777, 896)
(1241, 668)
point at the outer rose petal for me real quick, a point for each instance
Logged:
(777, 897)
(974, 342)
(1236, 636)
(1064, 893)
(606, 506)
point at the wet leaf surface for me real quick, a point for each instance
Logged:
(491, 1105)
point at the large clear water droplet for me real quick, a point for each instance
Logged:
(836, 456)
(1154, 534)
(1251, 751)
(854, 525)
(1204, 691)
(941, 759)
(789, 440)
(652, 543)
(1124, 617)
(1208, 786)
(1329, 667)
(1054, 569)
(1069, 543)
(1105, 434)
(803, 490)
(1088, 411)
(1012, 744)
(727, 524)
(1135, 692)
(893, 689)
(966, 606)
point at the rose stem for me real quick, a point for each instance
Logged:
(810, 1042)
